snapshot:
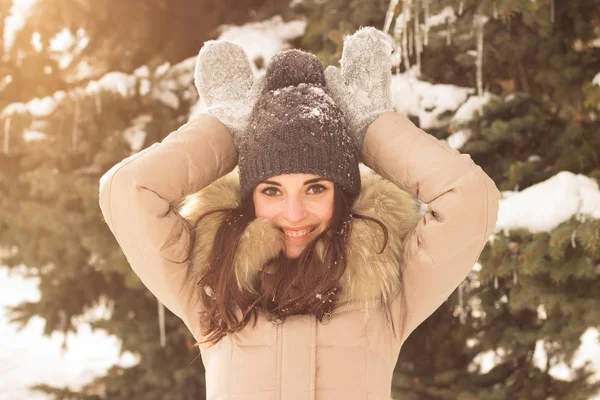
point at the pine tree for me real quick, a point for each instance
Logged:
(59, 135)
(533, 288)
(329, 21)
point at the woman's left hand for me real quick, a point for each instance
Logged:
(362, 88)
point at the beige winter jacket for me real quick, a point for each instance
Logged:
(352, 354)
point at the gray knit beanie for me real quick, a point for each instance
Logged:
(296, 127)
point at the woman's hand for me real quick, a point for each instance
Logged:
(226, 83)
(362, 88)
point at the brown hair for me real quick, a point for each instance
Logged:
(308, 284)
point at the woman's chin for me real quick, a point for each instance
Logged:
(293, 251)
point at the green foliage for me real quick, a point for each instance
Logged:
(533, 291)
(329, 21)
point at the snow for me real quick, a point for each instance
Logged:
(65, 46)
(33, 358)
(37, 107)
(30, 135)
(474, 104)
(262, 40)
(135, 135)
(485, 361)
(545, 205)
(15, 20)
(142, 72)
(116, 82)
(459, 138)
(163, 93)
(589, 351)
(433, 104)
(541, 207)
(447, 15)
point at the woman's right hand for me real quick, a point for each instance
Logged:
(226, 83)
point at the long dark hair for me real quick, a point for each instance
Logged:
(308, 284)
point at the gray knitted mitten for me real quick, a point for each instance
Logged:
(225, 82)
(362, 88)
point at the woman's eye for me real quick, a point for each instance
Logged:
(270, 191)
(316, 189)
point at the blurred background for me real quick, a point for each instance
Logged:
(514, 83)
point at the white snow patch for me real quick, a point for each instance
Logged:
(433, 104)
(588, 351)
(474, 104)
(37, 107)
(33, 136)
(262, 40)
(544, 206)
(33, 358)
(142, 72)
(116, 82)
(447, 15)
(162, 92)
(458, 139)
(485, 361)
(136, 134)
(15, 20)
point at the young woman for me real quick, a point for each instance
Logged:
(300, 278)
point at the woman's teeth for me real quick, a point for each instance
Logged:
(298, 233)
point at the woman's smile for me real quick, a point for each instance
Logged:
(298, 235)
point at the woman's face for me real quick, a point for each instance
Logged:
(300, 205)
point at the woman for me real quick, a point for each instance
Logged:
(301, 279)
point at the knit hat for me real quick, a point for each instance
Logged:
(296, 127)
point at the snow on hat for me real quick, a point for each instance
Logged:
(296, 127)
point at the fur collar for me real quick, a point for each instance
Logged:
(369, 277)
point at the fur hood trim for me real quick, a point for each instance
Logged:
(369, 277)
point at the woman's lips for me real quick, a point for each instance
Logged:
(297, 235)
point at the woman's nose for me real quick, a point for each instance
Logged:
(295, 209)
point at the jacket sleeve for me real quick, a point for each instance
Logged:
(462, 211)
(136, 196)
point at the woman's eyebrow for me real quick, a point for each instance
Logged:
(314, 180)
(306, 183)
(270, 183)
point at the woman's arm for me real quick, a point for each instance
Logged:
(462, 211)
(136, 196)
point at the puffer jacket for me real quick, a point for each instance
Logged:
(351, 353)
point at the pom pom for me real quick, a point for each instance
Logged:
(293, 67)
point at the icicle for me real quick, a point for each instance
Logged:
(573, 242)
(552, 11)
(418, 48)
(449, 30)
(426, 39)
(461, 303)
(406, 12)
(495, 10)
(389, 15)
(410, 41)
(495, 282)
(6, 134)
(479, 22)
(515, 277)
(460, 8)
(161, 323)
(75, 124)
(62, 327)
